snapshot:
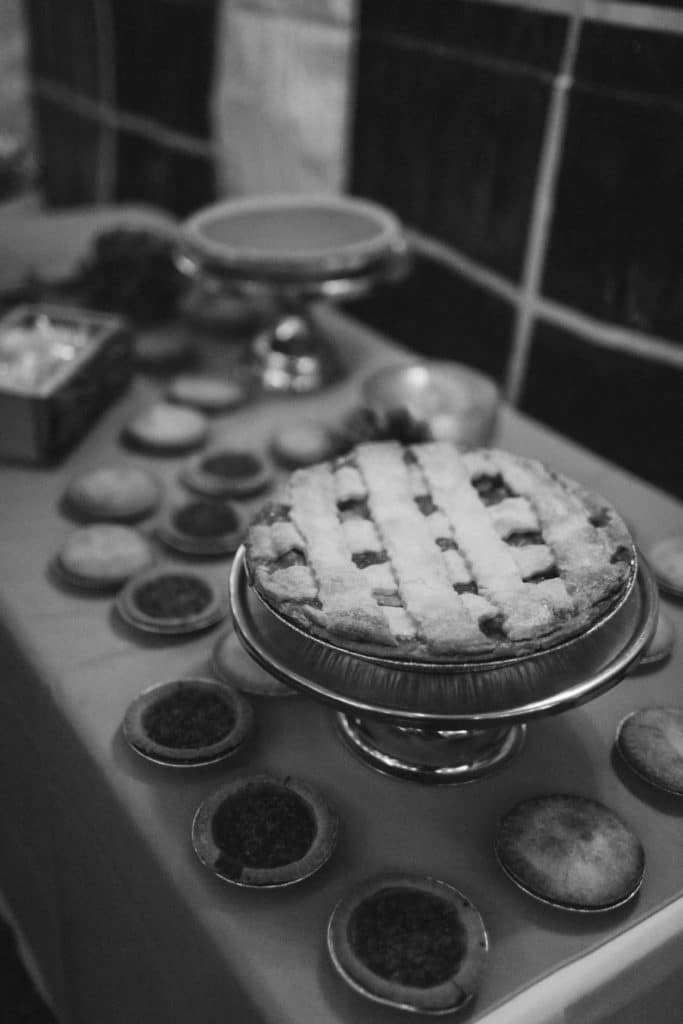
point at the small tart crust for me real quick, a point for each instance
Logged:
(423, 552)
(198, 602)
(168, 428)
(227, 473)
(138, 736)
(651, 743)
(323, 841)
(303, 443)
(571, 852)
(113, 493)
(103, 556)
(447, 995)
(201, 540)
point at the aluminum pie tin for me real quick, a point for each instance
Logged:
(450, 696)
(658, 757)
(291, 873)
(447, 997)
(129, 610)
(142, 744)
(628, 892)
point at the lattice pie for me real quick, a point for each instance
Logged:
(427, 553)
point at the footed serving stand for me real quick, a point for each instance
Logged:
(287, 253)
(440, 723)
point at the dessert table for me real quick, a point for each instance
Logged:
(96, 861)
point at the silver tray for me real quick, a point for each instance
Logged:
(467, 695)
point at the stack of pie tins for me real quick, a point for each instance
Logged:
(570, 852)
(171, 601)
(409, 942)
(263, 831)
(189, 722)
(445, 531)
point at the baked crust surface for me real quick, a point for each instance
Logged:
(430, 554)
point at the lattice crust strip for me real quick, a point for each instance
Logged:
(426, 549)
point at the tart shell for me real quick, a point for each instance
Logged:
(127, 603)
(445, 997)
(252, 877)
(650, 742)
(147, 747)
(215, 485)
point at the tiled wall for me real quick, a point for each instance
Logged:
(536, 148)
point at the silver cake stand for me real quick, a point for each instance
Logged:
(286, 254)
(445, 723)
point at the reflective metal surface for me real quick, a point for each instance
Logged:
(440, 723)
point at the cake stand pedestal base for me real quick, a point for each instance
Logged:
(446, 756)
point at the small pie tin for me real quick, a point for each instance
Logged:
(659, 648)
(325, 827)
(208, 394)
(204, 544)
(666, 559)
(166, 428)
(566, 840)
(114, 494)
(231, 662)
(446, 997)
(250, 475)
(650, 742)
(100, 569)
(150, 749)
(128, 603)
(454, 696)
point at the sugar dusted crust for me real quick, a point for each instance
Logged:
(425, 553)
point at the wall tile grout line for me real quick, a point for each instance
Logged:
(96, 110)
(606, 12)
(541, 214)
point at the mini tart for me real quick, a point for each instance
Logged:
(231, 662)
(209, 394)
(425, 553)
(189, 722)
(303, 443)
(659, 648)
(103, 556)
(651, 743)
(410, 942)
(262, 831)
(167, 428)
(571, 852)
(666, 559)
(113, 493)
(169, 600)
(227, 473)
(202, 528)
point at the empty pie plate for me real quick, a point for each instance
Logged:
(570, 852)
(410, 942)
(651, 743)
(203, 528)
(264, 832)
(188, 722)
(171, 601)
